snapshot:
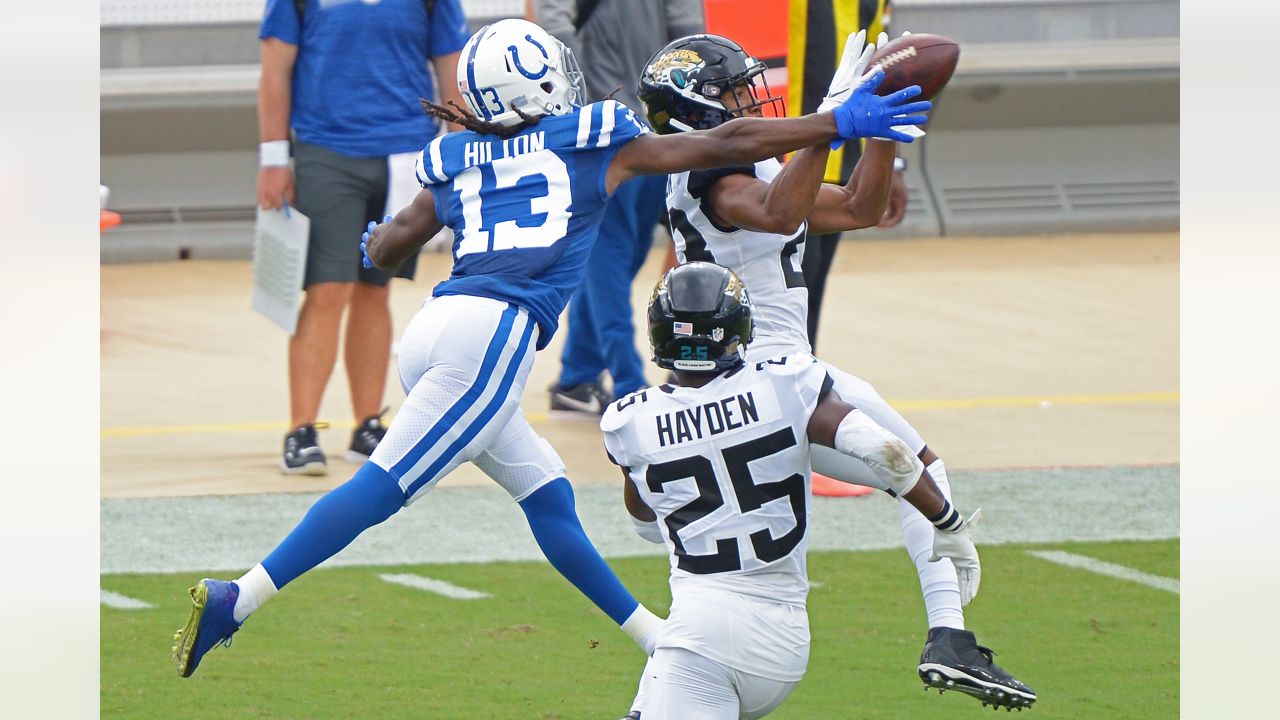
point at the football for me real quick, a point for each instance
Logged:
(925, 60)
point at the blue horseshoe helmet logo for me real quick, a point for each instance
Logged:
(515, 55)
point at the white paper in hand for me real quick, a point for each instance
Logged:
(279, 264)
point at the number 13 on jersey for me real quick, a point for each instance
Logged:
(545, 218)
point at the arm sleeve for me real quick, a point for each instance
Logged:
(812, 381)
(280, 21)
(611, 426)
(684, 17)
(429, 168)
(613, 449)
(613, 125)
(448, 28)
(620, 125)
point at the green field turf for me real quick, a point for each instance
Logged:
(341, 643)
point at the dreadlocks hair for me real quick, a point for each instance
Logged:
(475, 124)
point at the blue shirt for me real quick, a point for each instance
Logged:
(525, 211)
(362, 67)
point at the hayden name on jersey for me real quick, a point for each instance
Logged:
(768, 263)
(726, 469)
(525, 210)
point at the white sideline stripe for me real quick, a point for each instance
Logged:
(1105, 568)
(123, 602)
(438, 587)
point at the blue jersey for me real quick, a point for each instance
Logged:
(361, 68)
(525, 210)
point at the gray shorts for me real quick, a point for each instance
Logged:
(341, 195)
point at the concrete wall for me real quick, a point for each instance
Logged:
(1062, 116)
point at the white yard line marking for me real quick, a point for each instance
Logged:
(438, 587)
(1105, 568)
(123, 602)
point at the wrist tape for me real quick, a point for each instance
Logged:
(948, 518)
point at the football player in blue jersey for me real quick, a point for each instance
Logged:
(524, 189)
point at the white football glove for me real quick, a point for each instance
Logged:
(958, 547)
(849, 73)
(914, 131)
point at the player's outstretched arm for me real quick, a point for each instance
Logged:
(742, 141)
(385, 245)
(748, 140)
(837, 424)
(859, 203)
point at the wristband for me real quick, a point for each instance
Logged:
(273, 153)
(948, 518)
(899, 164)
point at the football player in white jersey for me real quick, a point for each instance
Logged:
(753, 219)
(524, 188)
(716, 466)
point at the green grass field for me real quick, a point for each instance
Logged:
(342, 643)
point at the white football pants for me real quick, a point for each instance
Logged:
(937, 579)
(463, 362)
(680, 684)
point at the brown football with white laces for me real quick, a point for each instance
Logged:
(917, 59)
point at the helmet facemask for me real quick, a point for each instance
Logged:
(513, 70)
(759, 102)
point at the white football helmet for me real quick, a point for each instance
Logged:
(514, 64)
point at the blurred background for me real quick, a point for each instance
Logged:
(1062, 116)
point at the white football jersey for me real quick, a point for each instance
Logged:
(726, 469)
(768, 263)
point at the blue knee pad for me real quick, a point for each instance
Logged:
(368, 498)
(556, 527)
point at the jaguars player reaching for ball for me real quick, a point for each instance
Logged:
(524, 188)
(716, 466)
(753, 219)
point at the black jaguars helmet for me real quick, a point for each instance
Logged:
(687, 85)
(700, 319)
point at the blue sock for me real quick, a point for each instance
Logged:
(334, 521)
(555, 526)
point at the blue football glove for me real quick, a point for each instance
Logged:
(364, 246)
(866, 114)
(364, 243)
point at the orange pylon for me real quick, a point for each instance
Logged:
(830, 487)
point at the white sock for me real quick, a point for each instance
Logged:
(938, 581)
(256, 588)
(643, 626)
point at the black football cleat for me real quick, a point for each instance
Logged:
(953, 660)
